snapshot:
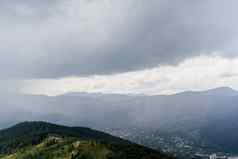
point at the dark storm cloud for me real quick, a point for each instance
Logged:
(56, 38)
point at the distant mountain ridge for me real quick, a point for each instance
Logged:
(212, 91)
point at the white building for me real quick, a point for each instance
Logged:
(213, 156)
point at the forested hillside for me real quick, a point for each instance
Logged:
(40, 140)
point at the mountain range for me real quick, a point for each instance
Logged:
(207, 119)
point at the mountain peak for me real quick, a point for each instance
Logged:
(224, 91)
(219, 91)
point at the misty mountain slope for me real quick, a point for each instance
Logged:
(44, 140)
(196, 115)
(97, 109)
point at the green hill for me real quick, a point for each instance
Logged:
(40, 140)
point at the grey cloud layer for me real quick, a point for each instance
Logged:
(56, 38)
(21, 10)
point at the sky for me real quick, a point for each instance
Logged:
(53, 47)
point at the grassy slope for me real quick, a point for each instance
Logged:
(62, 148)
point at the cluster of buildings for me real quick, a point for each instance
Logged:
(212, 156)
